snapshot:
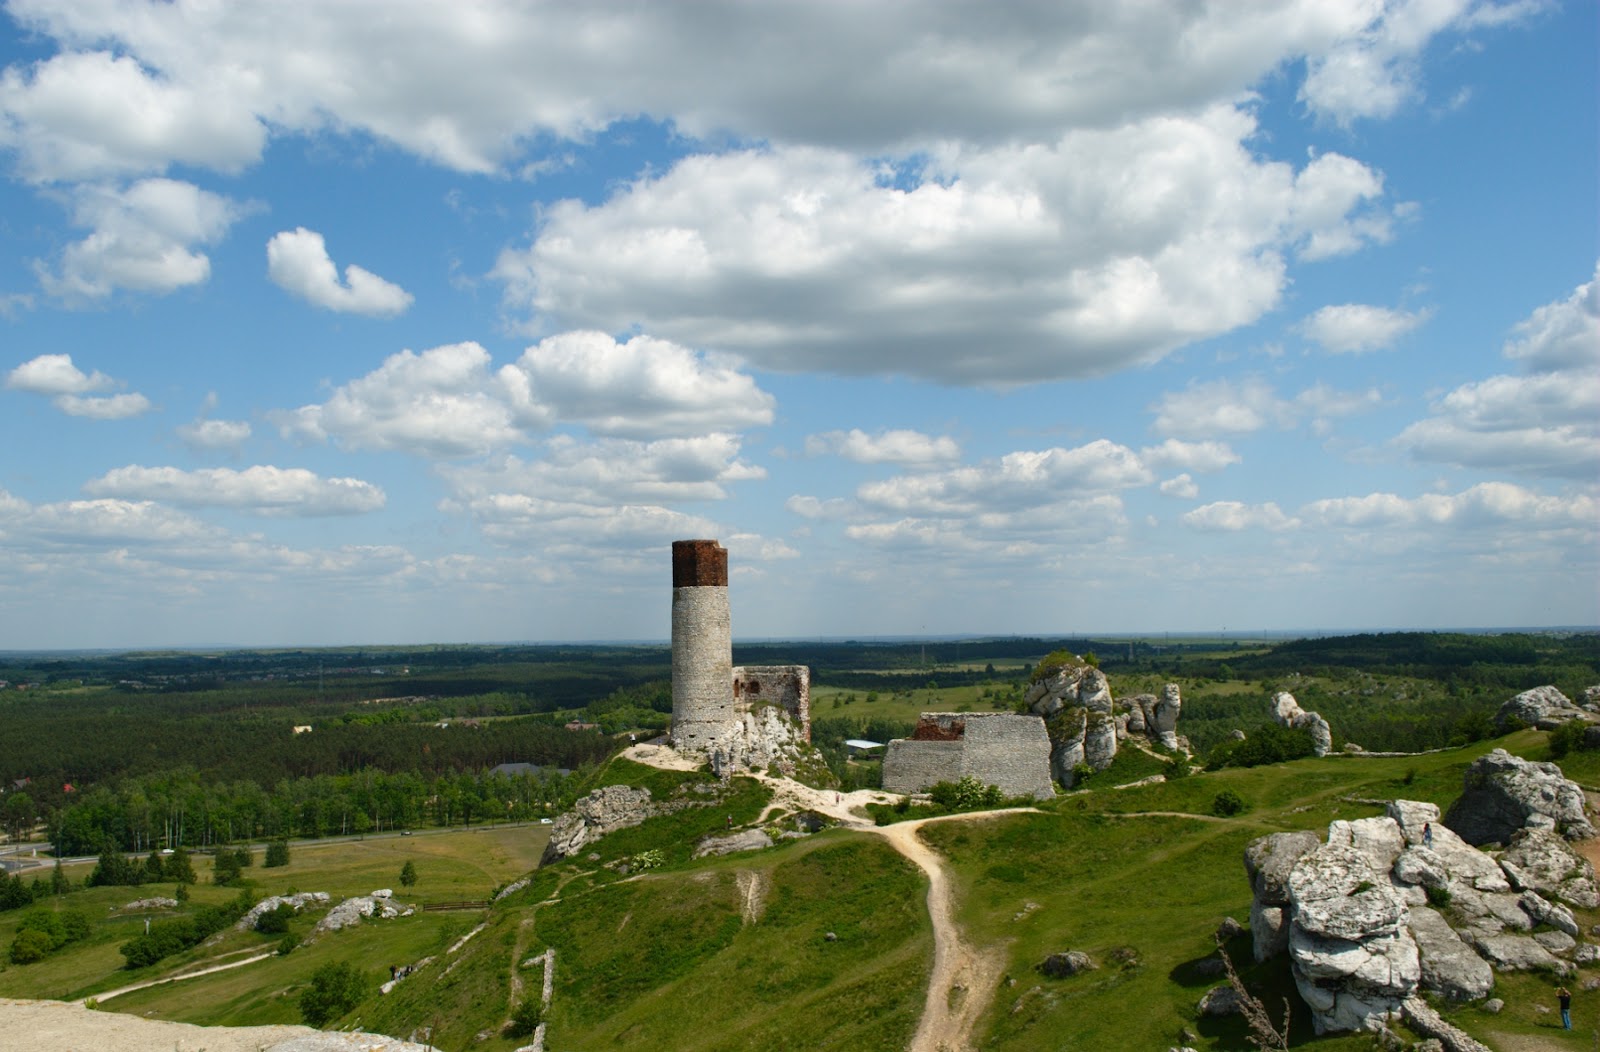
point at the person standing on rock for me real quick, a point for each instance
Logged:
(1565, 997)
(1427, 834)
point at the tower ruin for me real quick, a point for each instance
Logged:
(735, 717)
(702, 646)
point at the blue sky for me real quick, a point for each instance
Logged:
(321, 327)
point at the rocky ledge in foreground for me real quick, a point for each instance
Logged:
(1392, 906)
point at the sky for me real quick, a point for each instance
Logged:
(327, 322)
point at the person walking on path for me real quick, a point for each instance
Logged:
(1565, 997)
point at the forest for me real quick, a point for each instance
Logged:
(149, 750)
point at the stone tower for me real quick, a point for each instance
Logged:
(703, 707)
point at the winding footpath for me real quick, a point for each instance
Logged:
(964, 976)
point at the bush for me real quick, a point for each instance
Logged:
(1227, 804)
(408, 874)
(275, 921)
(525, 1018)
(277, 854)
(1439, 897)
(29, 946)
(1268, 744)
(1567, 737)
(335, 989)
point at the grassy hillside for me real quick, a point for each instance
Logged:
(732, 953)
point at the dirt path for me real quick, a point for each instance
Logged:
(964, 976)
(109, 994)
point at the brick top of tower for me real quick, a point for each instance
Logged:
(699, 564)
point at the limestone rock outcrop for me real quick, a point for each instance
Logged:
(1541, 861)
(298, 901)
(609, 808)
(1543, 707)
(743, 840)
(1268, 861)
(1157, 717)
(1288, 713)
(1503, 794)
(1353, 913)
(1085, 724)
(1075, 701)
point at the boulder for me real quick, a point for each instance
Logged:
(1288, 713)
(1220, 1001)
(605, 810)
(744, 840)
(1514, 953)
(1542, 911)
(1269, 931)
(1068, 962)
(1543, 862)
(1542, 707)
(1423, 832)
(1338, 894)
(1450, 967)
(1591, 698)
(1379, 839)
(1503, 794)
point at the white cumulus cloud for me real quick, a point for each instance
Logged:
(55, 375)
(895, 446)
(1543, 422)
(644, 387)
(207, 434)
(298, 262)
(1231, 516)
(262, 489)
(144, 238)
(1354, 328)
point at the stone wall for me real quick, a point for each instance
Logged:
(1010, 751)
(911, 766)
(995, 748)
(786, 686)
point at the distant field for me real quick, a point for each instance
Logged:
(451, 866)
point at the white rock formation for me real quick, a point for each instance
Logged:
(1543, 707)
(604, 810)
(267, 905)
(1542, 861)
(1504, 794)
(1288, 713)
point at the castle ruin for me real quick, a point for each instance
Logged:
(751, 716)
(996, 748)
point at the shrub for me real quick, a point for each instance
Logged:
(275, 921)
(277, 854)
(408, 874)
(29, 946)
(1227, 803)
(1052, 663)
(1438, 897)
(335, 989)
(287, 944)
(525, 1018)
(1567, 737)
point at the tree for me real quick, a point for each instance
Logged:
(179, 868)
(277, 854)
(225, 867)
(335, 989)
(19, 816)
(408, 874)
